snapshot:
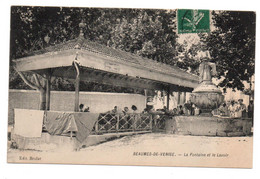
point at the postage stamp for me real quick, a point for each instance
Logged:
(193, 21)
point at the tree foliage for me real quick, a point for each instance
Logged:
(187, 56)
(232, 47)
(149, 33)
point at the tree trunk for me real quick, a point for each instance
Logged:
(37, 87)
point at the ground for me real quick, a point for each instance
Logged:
(152, 149)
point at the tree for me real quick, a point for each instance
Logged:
(43, 87)
(187, 56)
(30, 27)
(232, 47)
(149, 33)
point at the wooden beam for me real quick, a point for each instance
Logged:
(90, 75)
(117, 81)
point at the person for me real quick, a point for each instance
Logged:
(81, 108)
(167, 111)
(150, 106)
(250, 109)
(236, 110)
(175, 111)
(228, 103)
(241, 108)
(115, 110)
(189, 107)
(126, 110)
(185, 111)
(124, 119)
(232, 108)
(86, 109)
(180, 110)
(134, 108)
(196, 111)
(164, 109)
(145, 111)
(223, 109)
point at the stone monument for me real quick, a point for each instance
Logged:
(206, 96)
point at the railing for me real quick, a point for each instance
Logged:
(110, 123)
(159, 123)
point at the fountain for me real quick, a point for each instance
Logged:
(207, 96)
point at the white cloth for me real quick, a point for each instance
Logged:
(28, 123)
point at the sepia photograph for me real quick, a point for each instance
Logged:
(131, 86)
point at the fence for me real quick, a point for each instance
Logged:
(109, 123)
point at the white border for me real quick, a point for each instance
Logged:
(85, 171)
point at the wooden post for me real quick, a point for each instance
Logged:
(77, 80)
(155, 123)
(184, 97)
(96, 127)
(48, 91)
(117, 122)
(168, 99)
(145, 94)
(179, 98)
(151, 122)
(76, 107)
(71, 135)
(134, 122)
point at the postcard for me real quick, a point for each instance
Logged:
(121, 86)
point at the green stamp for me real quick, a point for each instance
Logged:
(193, 21)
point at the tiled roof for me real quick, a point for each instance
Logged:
(116, 54)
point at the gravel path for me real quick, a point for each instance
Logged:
(154, 149)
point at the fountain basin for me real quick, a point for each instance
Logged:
(209, 126)
(207, 97)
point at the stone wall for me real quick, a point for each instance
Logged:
(208, 126)
(64, 101)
